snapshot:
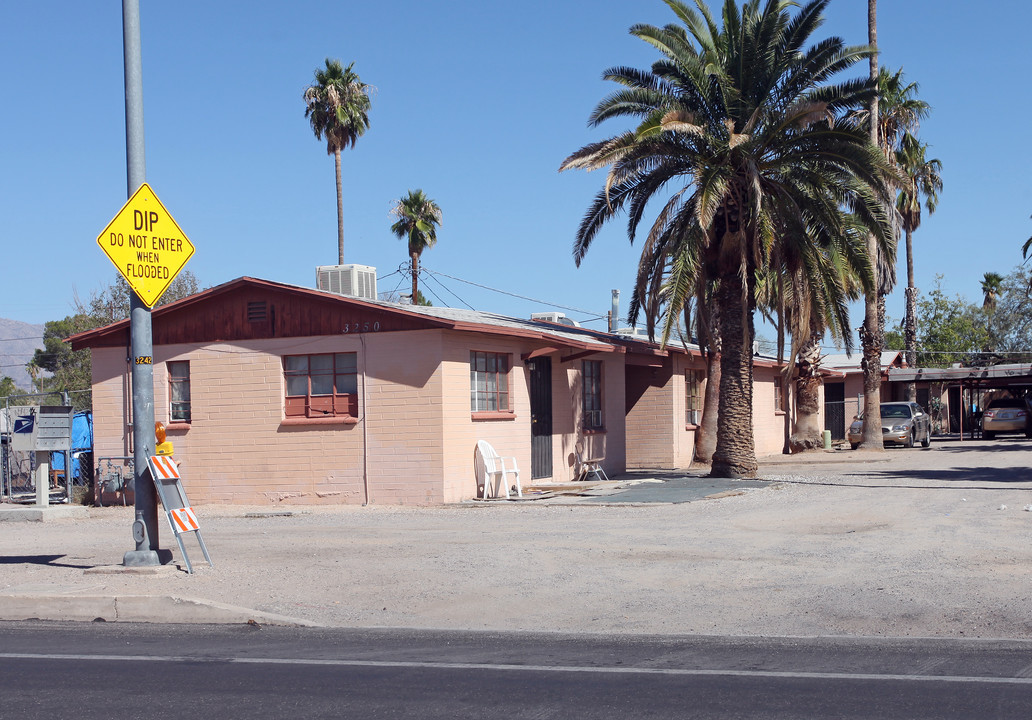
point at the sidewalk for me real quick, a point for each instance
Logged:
(891, 544)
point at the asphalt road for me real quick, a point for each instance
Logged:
(53, 670)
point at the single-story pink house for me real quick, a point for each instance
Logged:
(276, 392)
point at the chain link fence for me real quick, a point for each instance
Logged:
(68, 482)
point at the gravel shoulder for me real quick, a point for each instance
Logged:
(915, 542)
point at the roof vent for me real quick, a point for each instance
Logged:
(354, 280)
(554, 317)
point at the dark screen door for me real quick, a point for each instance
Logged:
(541, 418)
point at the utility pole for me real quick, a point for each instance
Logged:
(145, 526)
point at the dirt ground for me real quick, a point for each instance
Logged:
(934, 542)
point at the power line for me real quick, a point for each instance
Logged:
(430, 276)
(31, 337)
(591, 313)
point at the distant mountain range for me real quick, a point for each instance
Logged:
(18, 342)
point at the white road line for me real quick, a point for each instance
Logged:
(500, 667)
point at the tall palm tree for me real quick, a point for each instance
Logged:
(337, 105)
(870, 337)
(922, 178)
(737, 121)
(417, 219)
(992, 285)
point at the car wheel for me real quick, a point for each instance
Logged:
(910, 438)
(989, 434)
(927, 438)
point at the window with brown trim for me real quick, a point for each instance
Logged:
(692, 397)
(489, 382)
(321, 385)
(592, 401)
(178, 391)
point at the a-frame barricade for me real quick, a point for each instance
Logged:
(180, 515)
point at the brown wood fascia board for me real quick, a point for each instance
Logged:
(539, 352)
(533, 335)
(576, 356)
(650, 361)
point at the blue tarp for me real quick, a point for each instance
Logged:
(82, 439)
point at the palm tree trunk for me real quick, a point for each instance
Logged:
(707, 321)
(340, 209)
(706, 433)
(870, 336)
(910, 331)
(415, 275)
(808, 433)
(735, 455)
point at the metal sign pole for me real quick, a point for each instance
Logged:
(145, 527)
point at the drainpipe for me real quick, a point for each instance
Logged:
(365, 425)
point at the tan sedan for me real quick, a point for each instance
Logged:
(903, 423)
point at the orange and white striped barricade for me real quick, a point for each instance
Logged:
(180, 516)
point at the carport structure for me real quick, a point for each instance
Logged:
(959, 390)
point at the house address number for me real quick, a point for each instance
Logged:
(361, 327)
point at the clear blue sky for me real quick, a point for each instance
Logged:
(476, 103)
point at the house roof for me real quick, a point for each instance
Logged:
(332, 315)
(846, 364)
(1009, 375)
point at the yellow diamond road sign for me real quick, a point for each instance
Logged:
(146, 245)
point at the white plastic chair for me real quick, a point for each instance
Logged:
(493, 469)
(589, 466)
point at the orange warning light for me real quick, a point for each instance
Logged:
(162, 447)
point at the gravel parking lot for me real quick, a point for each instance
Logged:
(917, 542)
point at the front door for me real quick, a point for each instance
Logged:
(835, 410)
(540, 418)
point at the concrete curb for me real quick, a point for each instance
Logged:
(33, 513)
(135, 608)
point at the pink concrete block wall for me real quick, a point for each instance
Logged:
(510, 436)
(237, 450)
(650, 421)
(684, 435)
(768, 424)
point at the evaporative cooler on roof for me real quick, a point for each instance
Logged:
(355, 280)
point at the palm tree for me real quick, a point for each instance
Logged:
(337, 105)
(922, 178)
(992, 284)
(739, 122)
(870, 338)
(898, 112)
(417, 219)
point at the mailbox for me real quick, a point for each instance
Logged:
(54, 428)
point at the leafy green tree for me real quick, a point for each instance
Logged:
(922, 178)
(111, 303)
(337, 106)
(949, 329)
(72, 371)
(8, 388)
(1011, 327)
(417, 219)
(738, 123)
